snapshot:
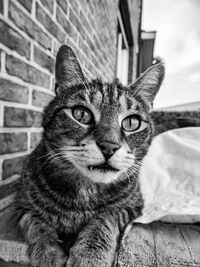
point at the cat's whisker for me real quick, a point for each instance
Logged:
(55, 159)
(82, 155)
(126, 176)
(134, 169)
(75, 150)
(45, 155)
(52, 154)
(70, 148)
(49, 153)
(56, 155)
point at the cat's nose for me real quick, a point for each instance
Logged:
(108, 148)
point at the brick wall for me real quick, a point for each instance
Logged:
(31, 33)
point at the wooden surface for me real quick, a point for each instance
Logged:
(160, 244)
(12, 246)
(156, 244)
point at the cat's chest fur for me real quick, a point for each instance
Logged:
(69, 211)
(73, 213)
(73, 221)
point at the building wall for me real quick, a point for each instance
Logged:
(31, 33)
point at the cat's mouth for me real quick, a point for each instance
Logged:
(102, 167)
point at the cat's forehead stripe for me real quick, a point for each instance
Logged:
(81, 96)
(129, 103)
(98, 97)
(116, 91)
(122, 102)
(111, 94)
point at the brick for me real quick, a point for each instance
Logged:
(12, 166)
(49, 24)
(56, 48)
(74, 5)
(84, 46)
(35, 139)
(1, 6)
(18, 117)
(76, 22)
(8, 189)
(40, 99)
(90, 68)
(48, 4)
(63, 4)
(85, 22)
(44, 60)
(80, 56)
(71, 43)
(26, 4)
(10, 91)
(84, 6)
(17, 67)
(13, 142)
(90, 43)
(97, 42)
(91, 7)
(14, 40)
(28, 26)
(67, 26)
(53, 85)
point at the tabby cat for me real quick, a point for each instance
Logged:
(79, 187)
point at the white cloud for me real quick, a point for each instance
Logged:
(178, 43)
(194, 77)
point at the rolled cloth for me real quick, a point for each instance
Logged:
(170, 177)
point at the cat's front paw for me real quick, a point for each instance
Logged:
(48, 256)
(86, 259)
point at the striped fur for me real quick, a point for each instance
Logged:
(69, 211)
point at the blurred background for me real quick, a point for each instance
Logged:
(118, 38)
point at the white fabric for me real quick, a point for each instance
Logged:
(170, 177)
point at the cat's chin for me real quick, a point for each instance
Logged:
(101, 174)
(102, 168)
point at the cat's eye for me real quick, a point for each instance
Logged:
(131, 123)
(82, 114)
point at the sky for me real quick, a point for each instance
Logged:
(177, 23)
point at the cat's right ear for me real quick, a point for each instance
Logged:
(149, 82)
(68, 69)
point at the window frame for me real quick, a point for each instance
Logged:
(122, 69)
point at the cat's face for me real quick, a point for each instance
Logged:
(101, 130)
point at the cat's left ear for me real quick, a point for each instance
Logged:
(68, 69)
(149, 82)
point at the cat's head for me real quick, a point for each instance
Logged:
(100, 130)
